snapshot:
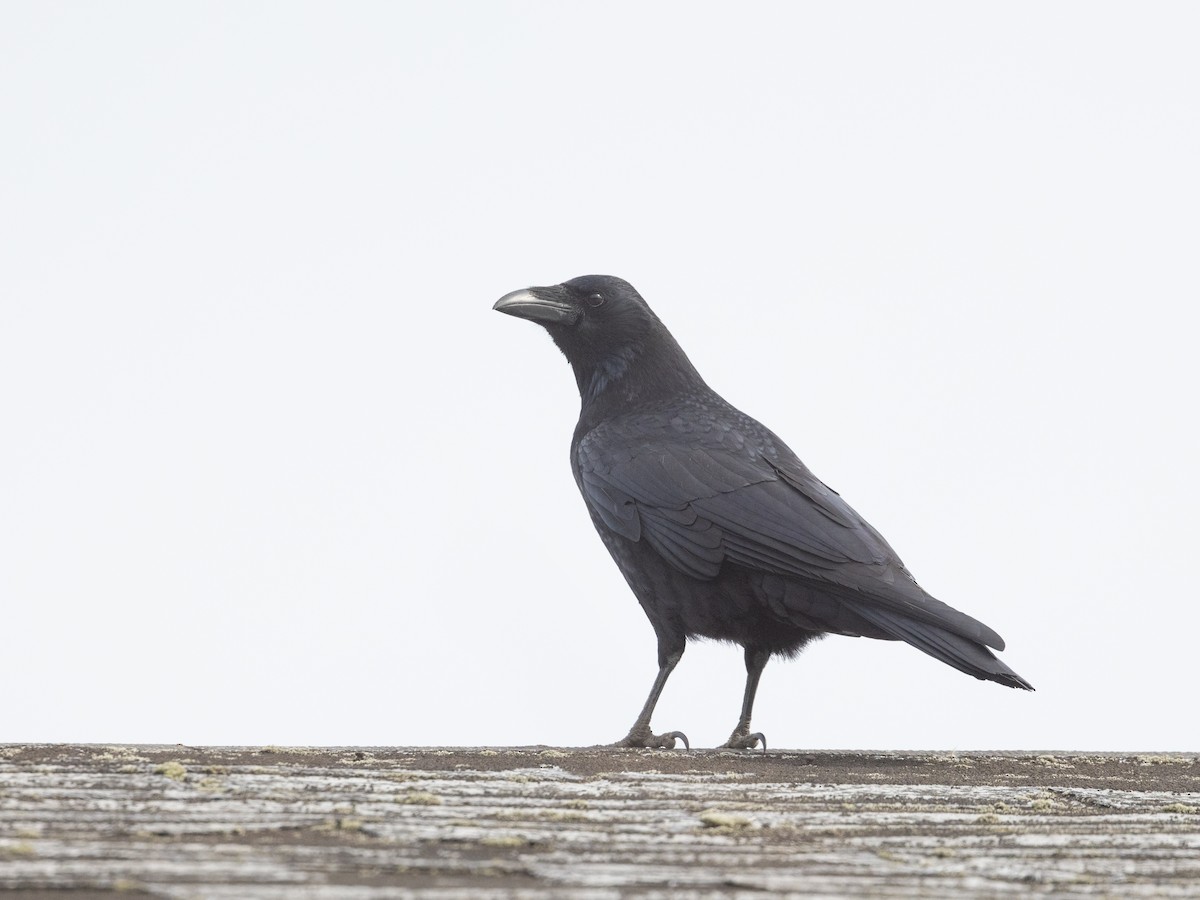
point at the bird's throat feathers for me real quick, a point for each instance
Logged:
(632, 373)
(603, 374)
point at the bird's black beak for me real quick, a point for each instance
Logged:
(547, 305)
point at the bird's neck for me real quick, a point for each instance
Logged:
(632, 377)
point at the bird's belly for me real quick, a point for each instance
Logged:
(731, 607)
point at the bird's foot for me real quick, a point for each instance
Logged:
(745, 741)
(644, 737)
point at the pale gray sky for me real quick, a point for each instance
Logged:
(274, 472)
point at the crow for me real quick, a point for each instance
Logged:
(718, 527)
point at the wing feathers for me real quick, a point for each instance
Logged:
(700, 506)
(693, 547)
(615, 508)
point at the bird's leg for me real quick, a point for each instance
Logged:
(742, 739)
(640, 734)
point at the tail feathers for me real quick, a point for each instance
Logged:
(954, 650)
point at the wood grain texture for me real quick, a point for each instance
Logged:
(89, 821)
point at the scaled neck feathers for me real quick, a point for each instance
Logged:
(634, 374)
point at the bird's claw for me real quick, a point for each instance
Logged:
(672, 736)
(746, 741)
(647, 739)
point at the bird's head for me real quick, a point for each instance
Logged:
(605, 329)
(598, 313)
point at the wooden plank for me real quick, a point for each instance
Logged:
(538, 822)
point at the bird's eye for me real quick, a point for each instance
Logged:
(595, 300)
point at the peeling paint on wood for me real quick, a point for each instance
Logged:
(592, 824)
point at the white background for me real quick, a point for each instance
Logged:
(272, 471)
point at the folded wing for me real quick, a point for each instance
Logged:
(751, 503)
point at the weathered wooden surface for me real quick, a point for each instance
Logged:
(187, 822)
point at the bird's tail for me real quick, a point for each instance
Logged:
(953, 649)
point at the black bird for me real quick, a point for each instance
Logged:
(719, 529)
